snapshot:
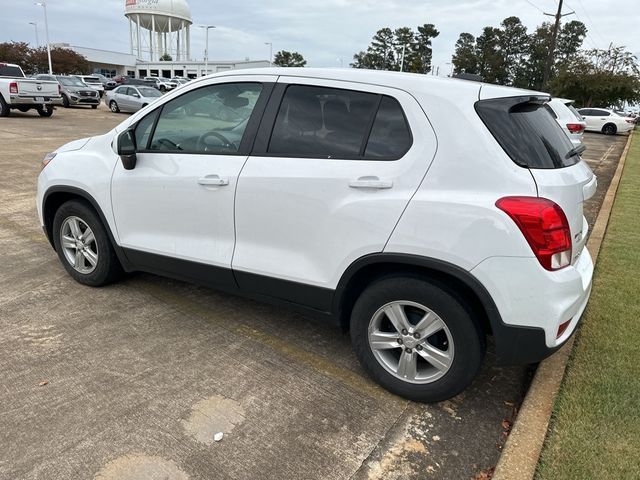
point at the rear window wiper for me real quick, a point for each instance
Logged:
(575, 151)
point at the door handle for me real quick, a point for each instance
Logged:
(370, 182)
(213, 180)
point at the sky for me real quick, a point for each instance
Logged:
(326, 32)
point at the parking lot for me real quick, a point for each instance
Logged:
(133, 380)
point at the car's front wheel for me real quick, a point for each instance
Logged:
(83, 246)
(416, 338)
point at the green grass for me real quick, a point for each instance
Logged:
(595, 428)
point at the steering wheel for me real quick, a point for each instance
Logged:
(202, 145)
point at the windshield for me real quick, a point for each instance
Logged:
(9, 71)
(527, 132)
(71, 82)
(149, 92)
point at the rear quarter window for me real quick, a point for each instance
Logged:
(527, 132)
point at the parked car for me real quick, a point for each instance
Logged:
(120, 79)
(346, 193)
(606, 121)
(23, 94)
(162, 84)
(131, 98)
(568, 118)
(74, 91)
(180, 80)
(92, 82)
(107, 83)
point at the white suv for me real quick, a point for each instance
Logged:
(420, 213)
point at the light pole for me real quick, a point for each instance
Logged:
(270, 52)
(206, 48)
(35, 24)
(43, 4)
(404, 46)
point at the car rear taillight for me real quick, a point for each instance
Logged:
(544, 226)
(575, 127)
(13, 87)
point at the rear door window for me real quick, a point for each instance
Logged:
(322, 122)
(527, 132)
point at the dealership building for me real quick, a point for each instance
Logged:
(158, 29)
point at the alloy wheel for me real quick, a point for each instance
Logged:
(411, 342)
(79, 245)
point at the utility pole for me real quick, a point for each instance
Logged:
(552, 45)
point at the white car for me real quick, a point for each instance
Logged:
(93, 82)
(420, 213)
(162, 84)
(130, 98)
(606, 121)
(568, 118)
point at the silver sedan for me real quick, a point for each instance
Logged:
(127, 98)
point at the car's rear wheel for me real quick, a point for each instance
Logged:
(45, 110)
(113, 106)
(609, 129)
(4, 108)
(83, 246)
(416, 338)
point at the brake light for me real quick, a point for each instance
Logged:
(575, 127)
(13, 87)
(544, 226)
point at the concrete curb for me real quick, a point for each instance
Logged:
(523, 447)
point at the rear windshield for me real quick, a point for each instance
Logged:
(575, 112)
(9, 71)
(527, 132)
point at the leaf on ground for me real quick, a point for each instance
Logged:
(43, 383)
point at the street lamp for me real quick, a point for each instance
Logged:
(206, 48)
(43, 4)
(404, 46)
(270, 52)
(35, 24)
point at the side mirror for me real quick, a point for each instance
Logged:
(127, 149)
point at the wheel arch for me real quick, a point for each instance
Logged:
(55, 196)
(369, 268)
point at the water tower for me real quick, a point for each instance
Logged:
(157, 27)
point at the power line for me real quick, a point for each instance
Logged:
(534, 6)
(587, 37)
(593, 24)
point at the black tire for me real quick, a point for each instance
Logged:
(108, 267)
(65, 101)
(163, 88)
(93, 107)
(609, 129)
(4, 108)
(466, 335)
(45, 110)
(113, 106)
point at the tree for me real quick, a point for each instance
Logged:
(464, 58)
(289, 59)
(514, 44)
(491, 64)
(35, 60)
(599, 78)
(424, 52)
(385, 52)
(166, 57)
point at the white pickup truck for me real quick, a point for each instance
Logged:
(21, 93)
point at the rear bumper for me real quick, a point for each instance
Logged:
(32, 100)
(533, 303)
